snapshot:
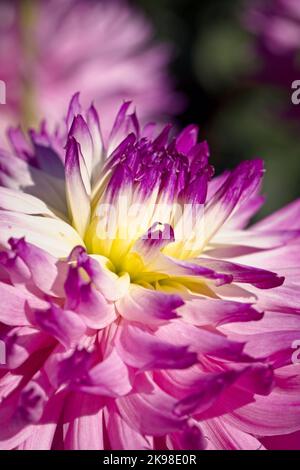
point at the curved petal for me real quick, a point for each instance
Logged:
(15, 201)
(77, 187)
(150, 413)
(217, 312)
(148, 306)
(260, 278)
(54, 236)
(286, 218)
(122, 436)
(109, 378)
(64, 325)
(13, 305)
(144, 351)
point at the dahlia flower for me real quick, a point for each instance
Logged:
(45, 58)
(276, 24)
(143, 326)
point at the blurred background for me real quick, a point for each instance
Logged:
(232, 76)
(226, 65)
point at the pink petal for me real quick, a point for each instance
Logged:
(74, 109)
(286, 218)
(84, 432)
(243, 274)
(223, 436)
(187, 139)
(109, 378)
(191, 438)
(216, 312)
(22, 343)
(77, 187)
(202, 341)
(143, 350)
(42, 266)
(285, 442)
(81, 133)
(64, 325)
(122, 436)
(13, 305)
(237, 188)
(89, 303)
(148, 306)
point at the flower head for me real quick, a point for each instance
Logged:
(51, 49)
(137, 310)
(276, 25)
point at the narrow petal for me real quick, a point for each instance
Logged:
(202, 341)
(73, 110)
(76, 190)
(256, 239)
(187, 139)
(243, 274)
(98, 145)
(236, 189)
(217, 312)
(81, 133)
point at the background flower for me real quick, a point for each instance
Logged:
(51, 49)
(154, 340)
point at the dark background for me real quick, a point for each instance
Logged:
(214, 62)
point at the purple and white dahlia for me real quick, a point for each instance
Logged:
(138, 311)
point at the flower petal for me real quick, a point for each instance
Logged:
(141, 349)
(236, 189)
(216, 312)
(64, 325)
(54, 236)
(76, 188)
(109, 378)
(122, 436)
(148, 306)
(150, 413)
(243, 274)
(13, 305)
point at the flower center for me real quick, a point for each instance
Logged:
(147, 183)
